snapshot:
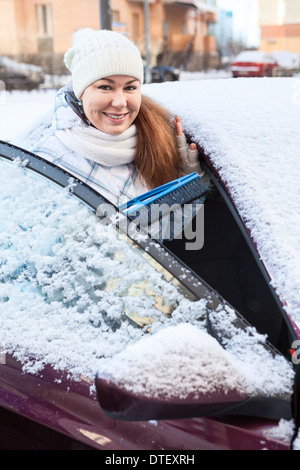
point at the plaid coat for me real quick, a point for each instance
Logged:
(118, 185)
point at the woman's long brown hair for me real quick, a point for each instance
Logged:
(157, 157)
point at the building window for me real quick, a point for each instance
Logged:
(44, 20)
(135, 26)
(115, 16)
(117, 25)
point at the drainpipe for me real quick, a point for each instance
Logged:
(105, 14)
(147, 41)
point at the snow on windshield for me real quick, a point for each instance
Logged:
(69, 282)
(250, 130)
(73, 292)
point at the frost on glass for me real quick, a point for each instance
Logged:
(73, 291)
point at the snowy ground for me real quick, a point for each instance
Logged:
(20, 109)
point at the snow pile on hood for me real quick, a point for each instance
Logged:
(249, 128)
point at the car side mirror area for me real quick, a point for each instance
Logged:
(179, 372)
(121, 404)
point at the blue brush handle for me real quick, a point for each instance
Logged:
(150, 196)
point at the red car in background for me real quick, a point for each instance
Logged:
(253, 64)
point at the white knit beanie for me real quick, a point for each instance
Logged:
(99, 54)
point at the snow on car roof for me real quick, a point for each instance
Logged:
(252, 56)
(250, 130)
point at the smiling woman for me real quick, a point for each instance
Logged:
(112, 103)
(105, 132)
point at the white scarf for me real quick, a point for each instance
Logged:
(105, 149)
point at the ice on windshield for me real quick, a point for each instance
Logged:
(68, 282)
(74, 294)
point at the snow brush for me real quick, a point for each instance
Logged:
(160, 201)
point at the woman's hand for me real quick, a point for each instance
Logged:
(188, 153)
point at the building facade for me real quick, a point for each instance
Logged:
(40, 31)
(280, 25)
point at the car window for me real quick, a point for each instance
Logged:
(74, 291)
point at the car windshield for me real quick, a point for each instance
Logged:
(63, 270)
(74, 291)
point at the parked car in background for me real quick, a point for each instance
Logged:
(111, 340)
(20, 76)
(163, 73)
(253, 64)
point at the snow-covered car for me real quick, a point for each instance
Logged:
(253, 64)
(115, 341)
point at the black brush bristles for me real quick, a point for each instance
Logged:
(190, 192)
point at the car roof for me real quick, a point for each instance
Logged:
(249, 131)
(252, 56)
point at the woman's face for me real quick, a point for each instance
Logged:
(112, 103)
